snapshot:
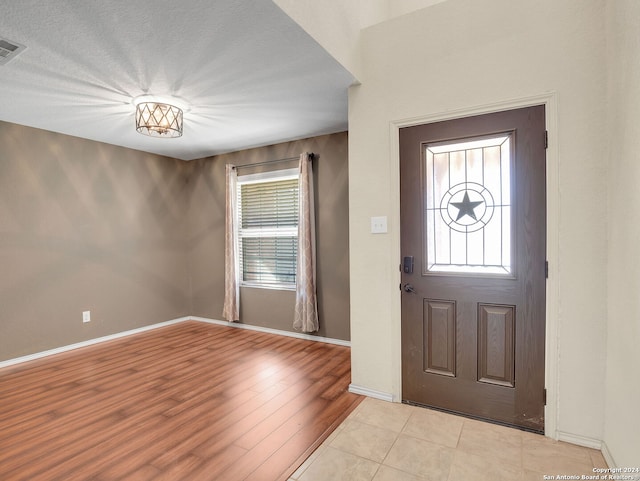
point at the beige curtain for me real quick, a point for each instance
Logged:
(231, 308)
(306, 311)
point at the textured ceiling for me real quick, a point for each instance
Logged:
(250, 74)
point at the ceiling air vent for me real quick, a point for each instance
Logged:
(9, 50)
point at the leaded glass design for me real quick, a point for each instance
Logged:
(468, 207)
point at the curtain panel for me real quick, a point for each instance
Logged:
(231, 308)
(306, 309)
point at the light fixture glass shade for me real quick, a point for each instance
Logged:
(158, 120)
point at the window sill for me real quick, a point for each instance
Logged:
(269, 287)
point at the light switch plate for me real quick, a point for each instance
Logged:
(379, 225)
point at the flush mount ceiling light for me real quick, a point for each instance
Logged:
(158, 117)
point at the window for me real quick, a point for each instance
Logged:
(468, 211)
(268, 229)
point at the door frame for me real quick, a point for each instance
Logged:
(550, 101)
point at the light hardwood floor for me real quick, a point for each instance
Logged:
(189, 402)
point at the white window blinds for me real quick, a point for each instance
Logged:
(268, 230)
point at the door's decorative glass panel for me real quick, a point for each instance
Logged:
(468, 206)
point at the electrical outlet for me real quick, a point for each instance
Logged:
(86, 316)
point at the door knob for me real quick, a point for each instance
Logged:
(409, 288)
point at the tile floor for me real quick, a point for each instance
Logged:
(383, 441)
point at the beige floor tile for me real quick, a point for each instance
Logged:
(365, 440)
(533, 476)
(335, 465)
(534, 442)
(434, 426)
(479, 468)
(556, 464)
(423, 449)
(420, 458)
(597, 459)
(303, 467)
(383, 414)
(336, 432)
(498, 443)
(386, 473)
(546, 456)
(295, 476)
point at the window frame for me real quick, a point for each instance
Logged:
(257, 232)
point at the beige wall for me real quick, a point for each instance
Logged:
(622, 422)
(336, 24)
(86, 226)
(267, 307)
(464, 55)
(138, 239)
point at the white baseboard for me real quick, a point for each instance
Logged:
(268, 330)
(70, 347)
(606, 454)
(580, 440)
(383, 396)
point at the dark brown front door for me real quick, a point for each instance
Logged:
(473, 240)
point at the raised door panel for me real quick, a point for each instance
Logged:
(439, 337)
(496, 344)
